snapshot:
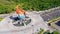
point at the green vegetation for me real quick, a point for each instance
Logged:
(46, 32)
(41, 31)
(1, 19)
(54, 32)
(7, 6)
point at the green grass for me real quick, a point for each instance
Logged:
(41, 31)
(1, 19)
(48, 32)
(55, 32)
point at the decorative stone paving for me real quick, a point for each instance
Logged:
(7, 27)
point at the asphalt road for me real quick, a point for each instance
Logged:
(53, 14)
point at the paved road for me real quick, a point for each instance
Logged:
(53, 14)
(6, 26)
(49, 15)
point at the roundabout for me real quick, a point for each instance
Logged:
(32, 25)
(18, 22)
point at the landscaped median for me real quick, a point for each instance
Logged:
(54, 19)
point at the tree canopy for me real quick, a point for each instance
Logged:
(7, 6)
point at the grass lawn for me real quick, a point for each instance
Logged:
(1, 19)
(55, 32)
(48, 32)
